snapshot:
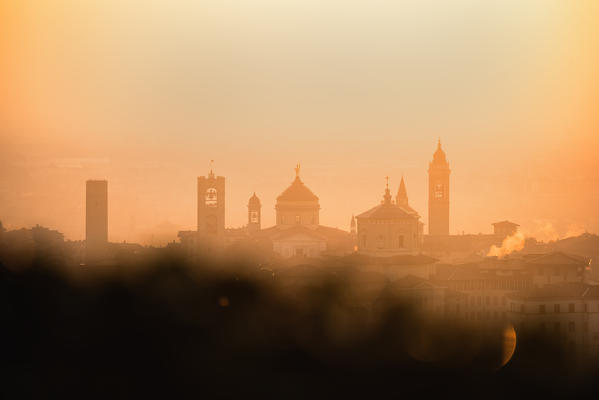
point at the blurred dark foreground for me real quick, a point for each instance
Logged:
(174, 329)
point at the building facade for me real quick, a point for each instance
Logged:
(391, 228)
(566, 312)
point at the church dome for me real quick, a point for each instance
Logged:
(297, 191)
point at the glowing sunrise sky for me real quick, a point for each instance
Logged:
(146, 93)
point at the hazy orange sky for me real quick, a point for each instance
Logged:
(146, 93)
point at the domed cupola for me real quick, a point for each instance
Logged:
(297, 205)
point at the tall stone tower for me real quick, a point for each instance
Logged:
(96, 216)
(211, 205)
(254, 214)
(438, 193)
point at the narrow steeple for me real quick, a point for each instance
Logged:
(402, 194)
(352, 225)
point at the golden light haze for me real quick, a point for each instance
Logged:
(145, 93)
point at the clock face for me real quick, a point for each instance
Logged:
(211, 197)
(438, 191)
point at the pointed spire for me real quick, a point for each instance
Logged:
(402, 194)
(439, 155)
(211, 173)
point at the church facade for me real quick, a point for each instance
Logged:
(390, 228)
(297, 232)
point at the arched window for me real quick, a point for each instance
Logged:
(297, 219)
(439, 191)
(380, 242)
(211, 198)
(400, 243)
(253, 216)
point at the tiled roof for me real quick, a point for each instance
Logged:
(559, 258)
(504, 223)
(297, 191)
(576, 290)
(388, 211)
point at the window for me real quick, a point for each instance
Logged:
(542, 309)
(556, 271)
(400, 241)
(439, 191)
(521, 308)
(556, 327)
(571, 307)
(380, 242)
(571, 326)
(556, 308)
(254, 217)
(364, 241)
(211, 198)
(297, 219)
(586, 307)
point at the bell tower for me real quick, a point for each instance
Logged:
(438, 193)
(254, 214)
(211, 205)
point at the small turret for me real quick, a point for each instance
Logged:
(254, 214)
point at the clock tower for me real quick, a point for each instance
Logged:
(438, 194)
